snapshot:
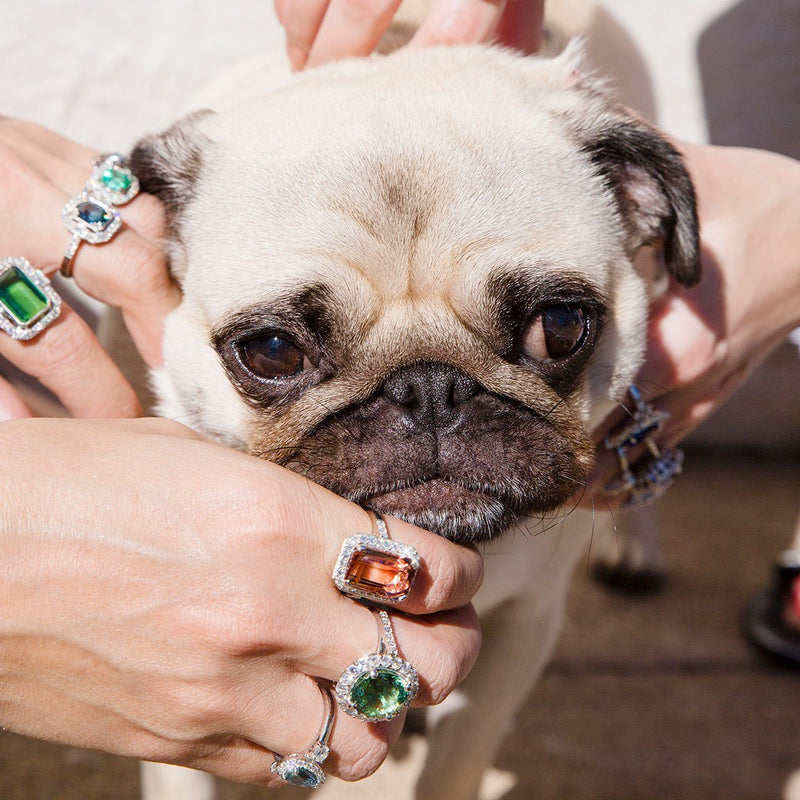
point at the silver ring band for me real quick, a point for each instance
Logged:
(304, 770)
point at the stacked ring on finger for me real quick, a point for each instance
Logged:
(647, 479)
(91, 216)
(304, 770)
(28, 302)
(380, 685)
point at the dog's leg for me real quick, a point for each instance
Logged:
(519, 636)
(627, 553)
(168, 782)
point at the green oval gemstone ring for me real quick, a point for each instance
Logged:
(378, 686)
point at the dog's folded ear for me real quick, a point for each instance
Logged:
(168, 164)
(653, 190)
(645, 173)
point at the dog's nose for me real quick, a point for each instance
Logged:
(430, 393)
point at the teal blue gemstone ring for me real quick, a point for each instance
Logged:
(92, 216)
(304, 770)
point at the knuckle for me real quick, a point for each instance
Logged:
(366, 9)
(371, 756)
(452, 658)
(144, 266)
(68, 343)
(454, 577)
(195, 709)
(148, 214)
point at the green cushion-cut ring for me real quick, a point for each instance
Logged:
(28, 303)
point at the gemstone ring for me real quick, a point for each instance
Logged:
(372, 567)
(304, 770)
(649, 478)
(378, 686)
(91, 216)
(376, 568)
(28, 303)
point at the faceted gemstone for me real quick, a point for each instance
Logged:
(381, 693)
(302, 777)
(117, 179)
(23, 299)
(381, 575)
(94, 214)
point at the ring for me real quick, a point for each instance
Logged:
(375, 568)
(28, 302)
(649, 478)
(91, 216)
(304, 769)
(112, 179)
(378, 686)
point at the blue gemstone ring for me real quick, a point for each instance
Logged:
(646, 480)
(304, 770)
(91, 216)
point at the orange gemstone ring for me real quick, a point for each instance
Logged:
(376, 568)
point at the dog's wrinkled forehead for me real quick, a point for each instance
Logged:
(391, 181)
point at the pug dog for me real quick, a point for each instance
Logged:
(412, 279)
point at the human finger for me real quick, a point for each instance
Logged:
(12, 406)
(351, 28)
(459, 22)
(67, 359)
(301, 19)
(129, 272)
(521, 25)
(447, 577)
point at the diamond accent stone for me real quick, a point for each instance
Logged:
(28, 302)
(375, 568)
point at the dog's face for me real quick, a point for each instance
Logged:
(410, 278)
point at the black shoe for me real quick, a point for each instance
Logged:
(766, 617)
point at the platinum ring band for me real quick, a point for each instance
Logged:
(304, 769)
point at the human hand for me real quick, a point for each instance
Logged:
(170, 599)
(39, 172)
(318, 31)
(705, 341)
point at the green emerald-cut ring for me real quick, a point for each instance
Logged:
(28, 303)
(304, 770)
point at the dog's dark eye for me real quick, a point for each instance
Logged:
(270, 356)
(555, 332)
